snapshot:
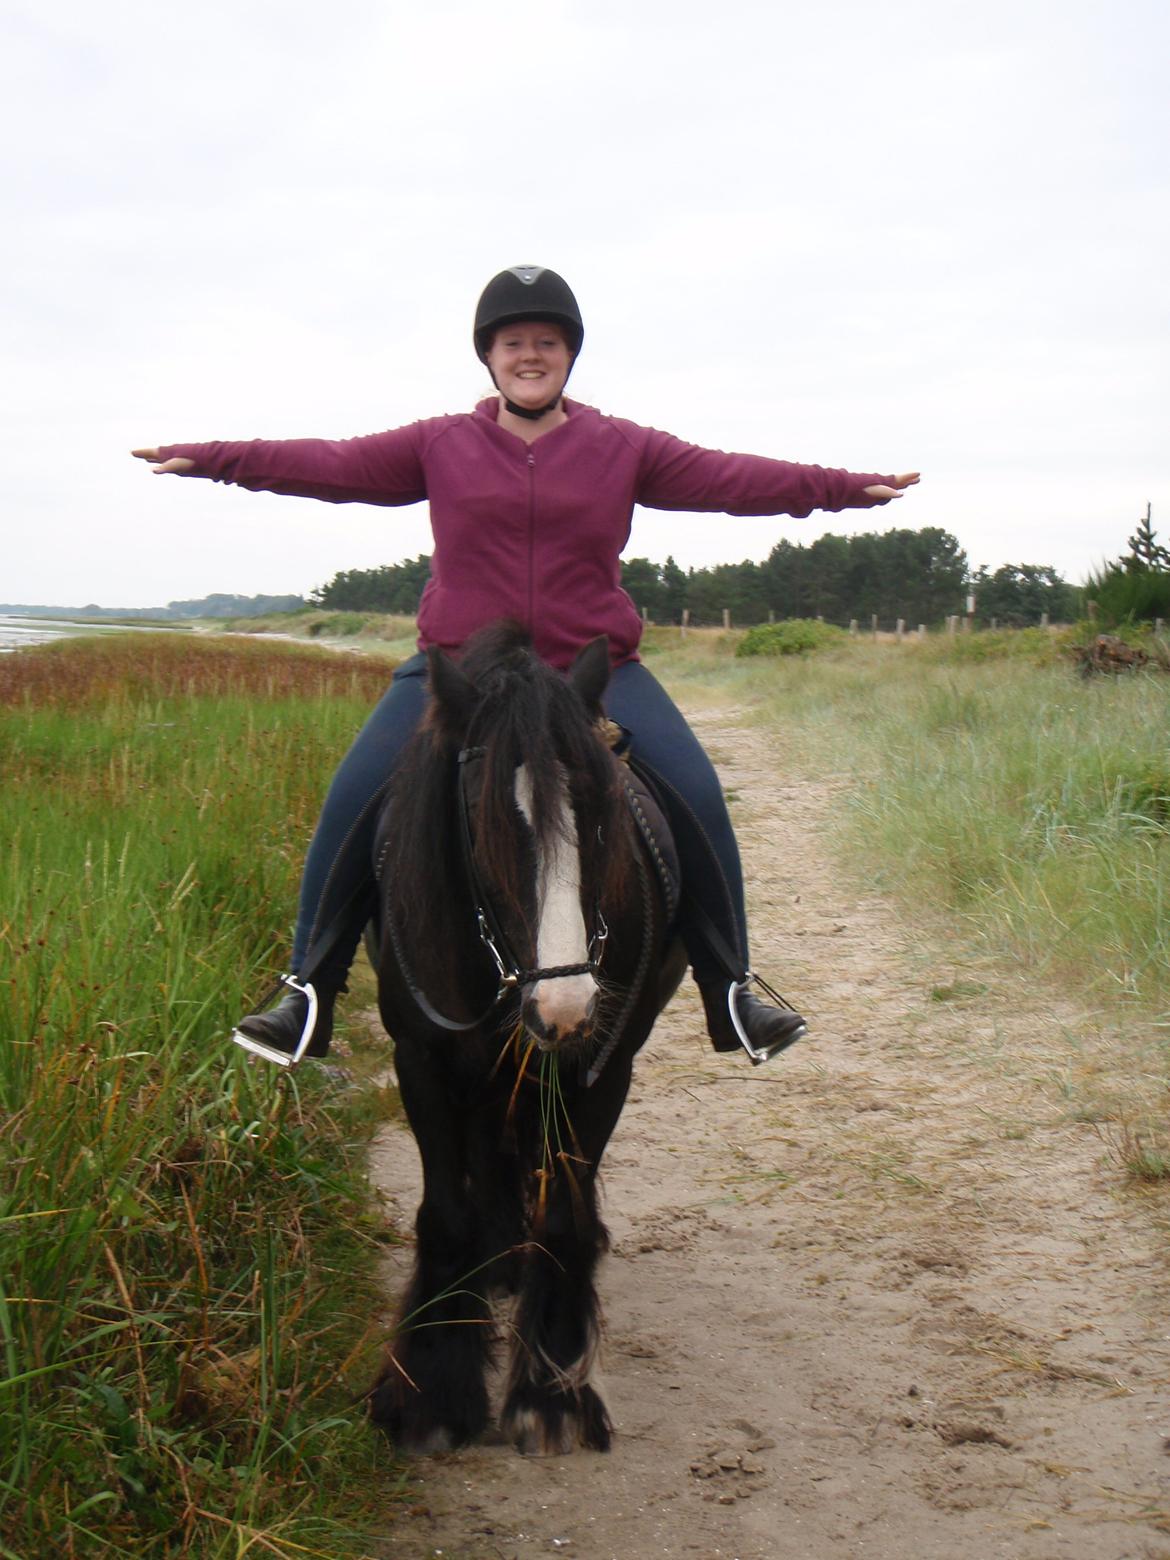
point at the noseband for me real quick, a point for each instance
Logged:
(511, 972)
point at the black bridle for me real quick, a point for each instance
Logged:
(512, 974)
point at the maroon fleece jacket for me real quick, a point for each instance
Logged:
(531, 532)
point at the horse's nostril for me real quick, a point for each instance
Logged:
(531, 1019)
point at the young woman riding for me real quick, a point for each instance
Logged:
(531, 498)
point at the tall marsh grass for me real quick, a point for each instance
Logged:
(185, 1238)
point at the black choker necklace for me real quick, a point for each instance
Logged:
(528, 413)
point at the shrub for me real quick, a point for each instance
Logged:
(339, 625)
(1126, 596)
(795, 636)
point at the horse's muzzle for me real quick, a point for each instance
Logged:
(559, 1013)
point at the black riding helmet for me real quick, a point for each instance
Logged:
(527, 292)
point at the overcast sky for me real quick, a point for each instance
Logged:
(915, 234)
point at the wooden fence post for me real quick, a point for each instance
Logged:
(853, 626)
(686, 618)
(1043, 620)
(726, 619)
(900, 629)
(873, 624)
(922, 630)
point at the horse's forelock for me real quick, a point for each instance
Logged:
(530, 714)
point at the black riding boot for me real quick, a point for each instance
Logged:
(278, 1031)
(768, 1029)
(281, 1028)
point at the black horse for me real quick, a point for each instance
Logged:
(526, 950)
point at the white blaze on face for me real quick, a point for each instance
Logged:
(563, 1002)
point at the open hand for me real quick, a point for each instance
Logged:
(177, 466)
(884, 490)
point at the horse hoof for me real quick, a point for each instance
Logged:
(430, 1445)
(550, 1431)
(596, 1429)
(533, 1436)
(414, 1429)
(410, 1440)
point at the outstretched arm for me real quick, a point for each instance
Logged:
(676, 475)
(177, 466)
(379, 468)
(894, 489)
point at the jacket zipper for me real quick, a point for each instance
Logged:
(531, 538)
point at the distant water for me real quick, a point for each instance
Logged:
(18, 633)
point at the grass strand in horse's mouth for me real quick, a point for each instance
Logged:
(510, 1047)
(555, 1117)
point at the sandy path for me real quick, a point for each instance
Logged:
(886, 1298)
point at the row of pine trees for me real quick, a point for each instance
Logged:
(920, 576)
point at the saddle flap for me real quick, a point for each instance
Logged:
(650, 821)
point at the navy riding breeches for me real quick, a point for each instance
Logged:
(663, 746)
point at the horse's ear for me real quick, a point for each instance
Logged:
(589, 673)
(452, 690)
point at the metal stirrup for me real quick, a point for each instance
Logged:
(760, 1054)
(269, 1052)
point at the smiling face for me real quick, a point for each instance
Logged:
(529, 361)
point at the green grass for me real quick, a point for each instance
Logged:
(1034, 807)
(1141, 1151)
(985, 782)
(188, 1240)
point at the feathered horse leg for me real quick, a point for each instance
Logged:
(550, 1402)
(431, 1394)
